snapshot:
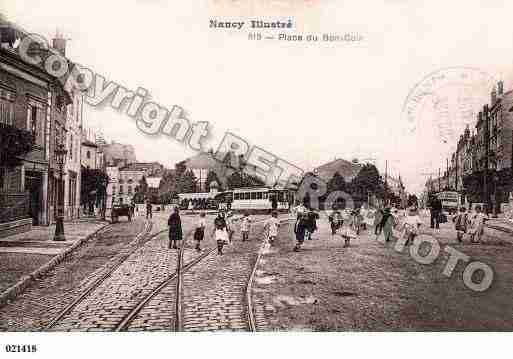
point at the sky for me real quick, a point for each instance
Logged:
(305, 102)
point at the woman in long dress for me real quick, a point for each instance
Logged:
(378, 216)
(175, 228)
(387, 224)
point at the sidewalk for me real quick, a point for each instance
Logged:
(23, 253)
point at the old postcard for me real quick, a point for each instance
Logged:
(253, 166)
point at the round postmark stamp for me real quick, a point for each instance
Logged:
(448, 100)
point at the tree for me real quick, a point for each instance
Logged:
(14, 143)
(180, 168)
(187, 182)
(235, 180)
(211, 177)
(367, 181)
(93, 187)
(336, 183)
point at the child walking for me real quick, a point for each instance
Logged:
(272, 225)
(199, 233)
(244, 227)
(220, 233)
(351, 230)
(300, 231)
(229, 226)
(461, 224)
(411, 225)
(476, 227)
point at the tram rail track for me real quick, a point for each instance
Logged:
(145, 232)
(177, 277)
(175, 323)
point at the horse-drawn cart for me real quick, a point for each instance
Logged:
(121, 210)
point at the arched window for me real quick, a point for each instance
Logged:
(88, 154)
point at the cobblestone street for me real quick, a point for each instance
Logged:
(213, 294)
(371, 286)
(38, 304)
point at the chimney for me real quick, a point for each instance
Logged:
(59, 44)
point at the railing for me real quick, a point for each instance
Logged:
(14, 206)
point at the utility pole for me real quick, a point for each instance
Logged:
(447, 172)
(456, 167)
(439, 175)
(487, 149)
(386, 180)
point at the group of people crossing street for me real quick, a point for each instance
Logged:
(384, 221)
(223, 228)
(347, 224)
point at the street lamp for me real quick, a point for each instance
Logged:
(60, 158)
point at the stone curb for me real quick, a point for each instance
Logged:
(249, 286)
(16, 289)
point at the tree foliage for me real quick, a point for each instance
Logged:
(187, 182)
(14, 143)
(93, 185)
(211, 177)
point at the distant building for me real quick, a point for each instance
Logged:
(118, 154)
(204, 162)
(347, 169)
(92, 156)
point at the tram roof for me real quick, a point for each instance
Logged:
(257, 189)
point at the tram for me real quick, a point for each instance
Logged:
(256, 199)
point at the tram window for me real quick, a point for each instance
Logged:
(236, 196)
(253, 195)
(247, 195)
(264, 195)
(280, 196)
(259, 195)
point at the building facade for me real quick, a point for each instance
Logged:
(481, 168)
(30, 100)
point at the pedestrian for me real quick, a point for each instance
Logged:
(244, 226)
(300, 230)
(272, 225)
(230, 225)
(461, 224)
(199, 232)
(312, 217)
(435, 209)
(175, 228)
(357, 220)
(476, 227)
(351, 228)
(132, 208)
(300, 210)
(387, 224)
(378, 216)
(149, 210)
(274, 203)
(220, 233)
(364, 212)
(411, 225)
(334, 219)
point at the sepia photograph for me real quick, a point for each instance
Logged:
(287, 176)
